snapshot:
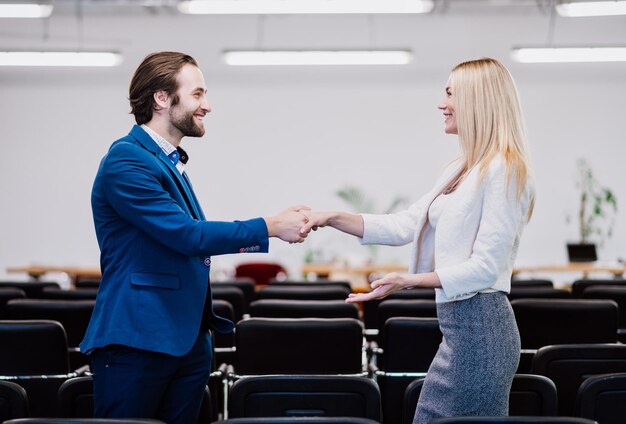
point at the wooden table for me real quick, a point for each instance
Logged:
(324, 270)
(36, 271)
(585, 268)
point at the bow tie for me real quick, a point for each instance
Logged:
(178, 154)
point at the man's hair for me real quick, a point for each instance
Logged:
(157, 72)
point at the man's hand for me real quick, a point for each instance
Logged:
(288, 224)
(316, 220)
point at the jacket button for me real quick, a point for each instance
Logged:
(207, 261)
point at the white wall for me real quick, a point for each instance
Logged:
(277, 137)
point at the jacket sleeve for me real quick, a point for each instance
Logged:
(501, 223)
(395, 229)
(133, 186)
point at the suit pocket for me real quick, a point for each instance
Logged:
(165, 281)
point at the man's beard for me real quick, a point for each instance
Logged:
(185, 124)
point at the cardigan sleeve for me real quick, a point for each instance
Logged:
(501, 223)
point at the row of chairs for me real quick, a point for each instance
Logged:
(599, 398)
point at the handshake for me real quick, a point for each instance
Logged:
(295, 223)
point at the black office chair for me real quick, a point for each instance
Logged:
(407, 347)
(538, 293)
(616, 294)
(34, 354)
(530, 395)
(87, 283)
(544, 322)
(531, 282)
(579, 286)
(302, 346)
(13, 401)
(603, 398)
(31, 288)
(224, 344)
(568, 365)
(74, 294)
(298, 420)
(407, 308)
(9, 293)
(316, 283)
(512, 420)
(74, 316)
(305, 395)
(274, 291)
(370, 308)
(298, 346)
(83, 421)
(234, 296)
(75, 401)
(246, 285)
(281, 308)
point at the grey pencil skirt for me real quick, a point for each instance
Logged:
(473, 369)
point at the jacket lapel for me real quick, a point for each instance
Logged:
(182, 182)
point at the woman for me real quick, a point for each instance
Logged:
(465, 234)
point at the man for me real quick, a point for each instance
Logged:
(149, 333)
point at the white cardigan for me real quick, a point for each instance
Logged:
(477, 236)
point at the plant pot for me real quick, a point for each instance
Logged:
(582, 252)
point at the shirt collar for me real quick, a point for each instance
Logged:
(174, 153)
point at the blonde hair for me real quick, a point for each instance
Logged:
(489, 120)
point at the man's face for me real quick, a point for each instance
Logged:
(188, 114)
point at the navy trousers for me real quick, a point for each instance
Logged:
(133, 383)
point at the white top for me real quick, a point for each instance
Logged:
(477, 236)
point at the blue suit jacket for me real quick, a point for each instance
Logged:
(156, 249)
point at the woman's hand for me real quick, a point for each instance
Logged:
(383, 287)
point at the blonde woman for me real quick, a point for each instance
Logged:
(465, 234)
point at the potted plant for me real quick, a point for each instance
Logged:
(596, 214)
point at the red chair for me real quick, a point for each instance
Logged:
(260, 272)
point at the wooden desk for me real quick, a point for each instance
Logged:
(585, 268)
(324, 270)
(36, 271)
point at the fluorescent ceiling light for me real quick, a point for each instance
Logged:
(25, 10)
(271, 7)
(591, 8)
(317, 57)
(569, 54)
(98, 59)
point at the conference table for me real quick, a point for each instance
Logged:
(326, 270)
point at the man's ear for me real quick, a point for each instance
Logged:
(161, 100)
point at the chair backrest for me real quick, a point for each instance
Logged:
(75, 401)
(234, 296)
(246, 285)
(409, 345)
(298, 420)
(298, 346)
(569, 365)
(603, 398)
(84, 283)
(260, 272)
(531, 282)
(31, 288)
(303, 293)
(8, 293)
(32, 347)
(370, 308)
(305, 395)
(281, 308)
(544, 322)
(530, 395)
(418, 308)
(13, 401)
(614, 293)
(579, 286)
(316, 283)
(538, 293)
(83, 421)
(74, 294)
(512, 420)
(74, 315)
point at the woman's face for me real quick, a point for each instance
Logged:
(449, 114)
